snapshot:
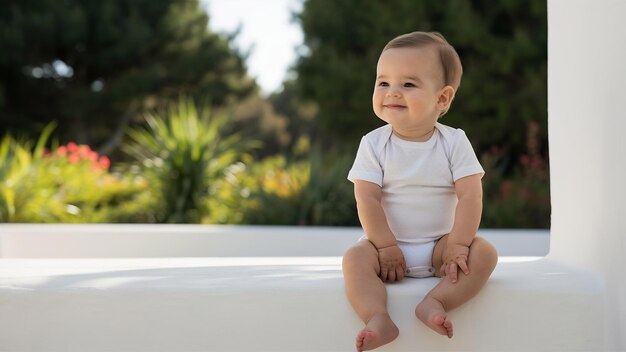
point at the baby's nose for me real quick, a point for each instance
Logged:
(393, 92)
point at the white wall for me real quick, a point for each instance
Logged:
(130, 241)
(587, 129)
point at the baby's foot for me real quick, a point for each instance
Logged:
(378, 331)
(431, 313)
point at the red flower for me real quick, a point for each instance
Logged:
(72, 147)
(73, 159)
(61, 151)
(83, 151)
(76, 153)
(104, 162)
(93, 156)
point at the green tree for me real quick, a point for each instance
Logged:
(503, 46)
(300, 124)
(95, 66)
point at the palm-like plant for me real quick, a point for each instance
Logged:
(16, 163)
(187, 149)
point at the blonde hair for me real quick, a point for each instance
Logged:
(449, 59)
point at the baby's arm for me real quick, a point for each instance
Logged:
(368, 196)
(466, 221)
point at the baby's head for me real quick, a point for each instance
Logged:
(449, 63)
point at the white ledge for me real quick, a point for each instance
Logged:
(264, 302)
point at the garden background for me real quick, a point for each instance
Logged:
(135, 111)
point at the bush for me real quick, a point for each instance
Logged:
(274, 191)
(69, 184)
(16, 161)
(185, 151)
(521, 199)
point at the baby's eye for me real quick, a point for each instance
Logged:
(383, 84)
(409, 85)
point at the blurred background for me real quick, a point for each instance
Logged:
(248, 112)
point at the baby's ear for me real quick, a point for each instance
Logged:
(446, 95)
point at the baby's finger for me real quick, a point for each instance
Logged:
(392, 276)
(448, 268)
(453, 272)
(400, 273)
(383, 274)
(463, 265)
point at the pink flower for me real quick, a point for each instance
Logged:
(61, 151)
(72, 147)
(104, 162)
(83, 151)
(73, 159)
(93, 156)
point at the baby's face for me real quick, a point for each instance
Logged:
(409, 83)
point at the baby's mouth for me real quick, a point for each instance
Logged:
(394, 106)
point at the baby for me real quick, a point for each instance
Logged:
(419, 195)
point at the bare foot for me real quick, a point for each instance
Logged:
(378, 331)
(431, 313)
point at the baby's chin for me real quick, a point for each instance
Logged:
(383, 118)
(393, 121)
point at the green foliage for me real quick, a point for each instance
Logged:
(299, 115)
(16, 161)
(255, 116)
(93, 66)
(97, 67)
(276, 191)
(281, 121)
(185, 150)
(70, 184)
(520, 201)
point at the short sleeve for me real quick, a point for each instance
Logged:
(366, 165)
(463, 161)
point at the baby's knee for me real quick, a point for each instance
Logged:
(484, 253)
(352, 255)
(358, 256)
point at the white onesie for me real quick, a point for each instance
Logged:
(417, 179)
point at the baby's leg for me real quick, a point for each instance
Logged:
(446, 295)
(368, 296)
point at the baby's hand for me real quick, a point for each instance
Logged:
(454, 257)
(392, 264)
